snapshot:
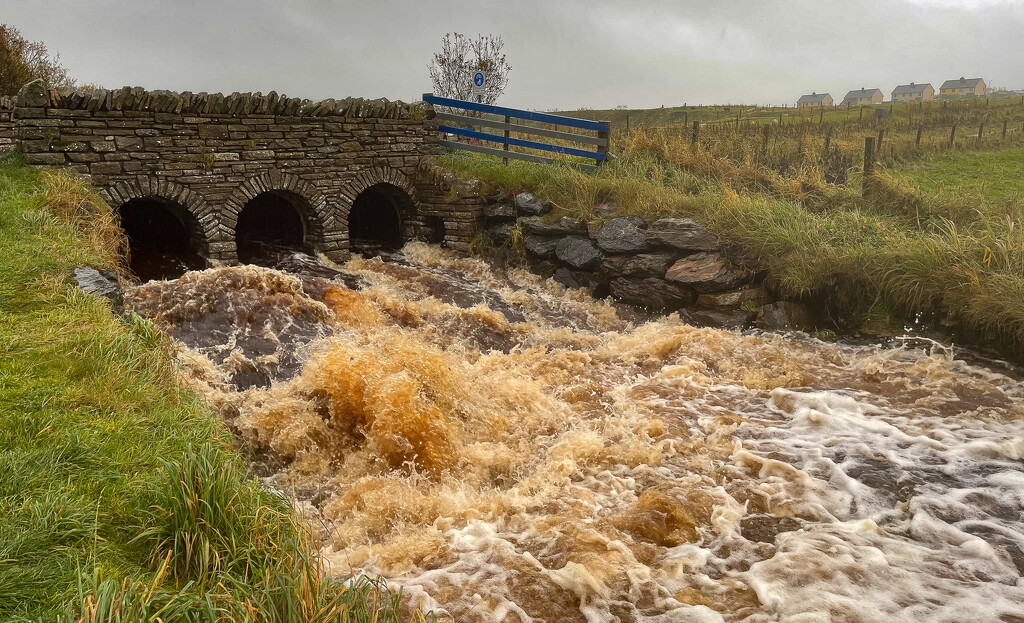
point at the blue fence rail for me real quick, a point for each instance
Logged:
(464, 126)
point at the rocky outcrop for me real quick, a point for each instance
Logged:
(564, 226)
(652, 292)
(682, 234)
(667, 265)
(623, 234)
(101, 283)
(579, 252)
(705, 272)
(529, 205)
(541, 246)
(784, 316)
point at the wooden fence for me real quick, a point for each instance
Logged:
(500, 118)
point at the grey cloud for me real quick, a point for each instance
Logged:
(563, 54)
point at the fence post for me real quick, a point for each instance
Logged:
(1005, 122)
(780, 117)
(606, 135)
(505, 146)
(952, 135)
(860, 117)
(828, 137)
(917, 140)
(881, 133)
(696, 130)
(981, 128)
(821, 115)
(869, 165)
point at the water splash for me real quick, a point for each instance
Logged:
(505, 450)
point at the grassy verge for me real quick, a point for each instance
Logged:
(121, 498)
(993, 177)
(900, 250)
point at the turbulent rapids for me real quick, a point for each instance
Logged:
(505, 450)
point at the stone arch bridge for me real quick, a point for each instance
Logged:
(212, 167)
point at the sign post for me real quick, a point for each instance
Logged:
(479, 83)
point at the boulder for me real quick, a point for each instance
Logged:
(541, 246)
(682, 234)
(784, 316)
(33, 95)
(649, 264)
(529, 205)
(575, 279)
(565, 226)
(705, 272)
(102, 283)
(544, 268)
(733, 299)
(623, 234)
(499, 234)
(579, 252)
(722, 318)
(500, 210)
(651, 292)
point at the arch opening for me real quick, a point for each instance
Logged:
(163, 238)
(375, 220)
(269, 224)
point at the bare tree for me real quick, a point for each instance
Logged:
(452, 68)
(22, 61)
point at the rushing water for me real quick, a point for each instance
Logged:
(505, 450)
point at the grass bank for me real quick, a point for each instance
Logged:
(121, 498)
(900, 252)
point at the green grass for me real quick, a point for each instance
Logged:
(899, 250)
(992, 176)
(121, 498)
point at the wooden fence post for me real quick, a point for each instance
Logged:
(606, 135)
(981, 128)
(860, 117)
(881, 133)
(1005, 122)
(505, 146)
(917, 140)
(869, 165)
(780, 117)
(952, 135)
(828, 137)
(696, 131)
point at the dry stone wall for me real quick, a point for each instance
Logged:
(211, 153)
(6, 124)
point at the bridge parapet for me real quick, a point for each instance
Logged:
(210, 153)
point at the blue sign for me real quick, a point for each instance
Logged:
(478, 79)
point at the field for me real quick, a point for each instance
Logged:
(935, 233)
(121, 498)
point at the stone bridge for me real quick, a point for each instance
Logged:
(206, 170)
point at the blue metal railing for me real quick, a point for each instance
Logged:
(599, 155)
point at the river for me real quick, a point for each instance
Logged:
(502, 449)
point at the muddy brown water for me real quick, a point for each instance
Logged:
(505, 450)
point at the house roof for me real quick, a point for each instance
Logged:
(962, 83)
(861, 93)
(813, 98)
(910, 88)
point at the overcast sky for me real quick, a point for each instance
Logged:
(597, 54)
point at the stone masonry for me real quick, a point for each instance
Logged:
(210, 154)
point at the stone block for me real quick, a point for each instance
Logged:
(105, 168)
(45, 159)
(706, 272)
